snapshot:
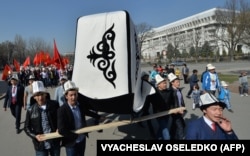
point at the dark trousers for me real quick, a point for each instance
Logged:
(185, 77)
(178, 127)
(163, 130)
(190, 90)
(149, 124)
(145, 112)
(77, 150)
(16, 111)
(49, 152)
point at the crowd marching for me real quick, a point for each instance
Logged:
(64, 113)
(208, 93)
(49, 75)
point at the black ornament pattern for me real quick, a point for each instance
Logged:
(104, 56)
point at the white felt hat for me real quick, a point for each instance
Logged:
(69, 85)
(15, 77)
(210, 67)
(209, 99)
(224, 84)
(31, 77)
(172, 77)
(38, 87)
(64, 77)
(158, 79)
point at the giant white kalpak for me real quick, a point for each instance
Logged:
(107, 66)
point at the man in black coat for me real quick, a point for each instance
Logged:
(177, 131)
(41, 118)
(14, 100)
(71, 116)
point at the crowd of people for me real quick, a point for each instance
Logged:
(27, 90)
(49, 75)
(64, 113)
(211, 96)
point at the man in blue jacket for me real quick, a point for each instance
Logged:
(210, 80)
(212, 125)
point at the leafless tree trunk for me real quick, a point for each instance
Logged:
(231, 28)
(20, 47)
(144, 31)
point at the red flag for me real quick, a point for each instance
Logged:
(42, 57)
(47, 59)
(57, 58)
(66, 60)
(36, 60)
(26, 62)
(5, 72)
(16, 65)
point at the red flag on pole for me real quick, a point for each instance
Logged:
(16, 65)
(57, 58)
(26, 62)
(6, 69)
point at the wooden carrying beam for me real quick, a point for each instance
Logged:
(115, 123)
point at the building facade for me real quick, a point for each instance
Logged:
(192, 31)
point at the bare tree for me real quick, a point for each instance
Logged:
(245, 17)
(175, 44)
(20, 47)
(170, 52)
(7, 52)
(144, 31)
(195, 41)
(232, 25)
(37, 45)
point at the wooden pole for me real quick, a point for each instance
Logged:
(115, 123)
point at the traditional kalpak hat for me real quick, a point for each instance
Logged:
(158, 79)
(224, 84)
(69, 85)
(64, 77)
(31, 77)
(209, 99)
(38, 87)
(172, 77)
(210, 67)
(15, 77)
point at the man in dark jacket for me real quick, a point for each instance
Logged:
(14, 100)
(41, 118)
(71, 117)
(178, 123)
(161, 101)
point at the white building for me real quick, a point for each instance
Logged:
(186, 33)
